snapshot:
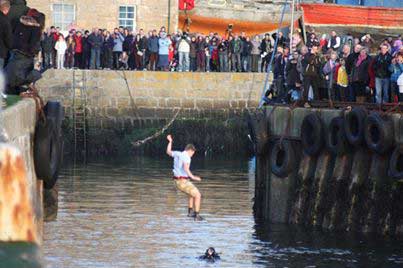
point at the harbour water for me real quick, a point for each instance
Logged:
(127, 213)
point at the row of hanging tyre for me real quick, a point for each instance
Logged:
(345, 133)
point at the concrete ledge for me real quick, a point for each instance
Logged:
(18, 122)
(19, 119)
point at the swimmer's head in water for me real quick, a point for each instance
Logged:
(190, 149)
(210, 252)
(210, 256)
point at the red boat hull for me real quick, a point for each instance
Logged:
(389, 19)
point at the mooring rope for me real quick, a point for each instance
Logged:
(158, 133)
(132, 103)
(272, 55)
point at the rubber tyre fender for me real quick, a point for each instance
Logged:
(312, 134)
(354, 126)
(396, 164)
(262, 133)
(379, 133)
(48, 145)
(55, 111)
(336, 140)
(282, 158)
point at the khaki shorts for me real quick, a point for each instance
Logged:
(187, 187)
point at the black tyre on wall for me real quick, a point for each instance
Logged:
(48, 145)
(283, 158)
(354, 126)
(379, 133)
(312, 134)
(396, 164)
(336, 140)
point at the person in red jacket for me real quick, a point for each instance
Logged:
(79, 49)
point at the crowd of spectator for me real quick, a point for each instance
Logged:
(339, 68)
(329, 67)
(155, 50)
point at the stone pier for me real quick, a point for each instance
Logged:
(18, 122)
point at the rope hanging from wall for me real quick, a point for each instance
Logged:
(158, 133)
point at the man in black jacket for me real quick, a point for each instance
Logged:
(6, 37)
(266, 48)
(26, 44)
(351, 59)
(96, 41)
(382, 75)
(311, 74)
(47, 44)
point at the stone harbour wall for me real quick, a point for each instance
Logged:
(18, 124)
(211, 107)
(117, 96)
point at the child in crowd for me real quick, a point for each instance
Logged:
(341, 81)
(61, 48)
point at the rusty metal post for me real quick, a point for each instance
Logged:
(17, 215)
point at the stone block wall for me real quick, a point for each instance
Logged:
(18, 124)
(153, 95)
(104, 14)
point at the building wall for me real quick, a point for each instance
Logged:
(151, 14)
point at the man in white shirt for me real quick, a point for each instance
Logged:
(183, 175)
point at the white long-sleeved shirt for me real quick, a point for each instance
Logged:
(61, 47)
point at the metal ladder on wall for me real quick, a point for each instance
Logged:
(79, 115)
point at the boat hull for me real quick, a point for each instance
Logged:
(252, 21)
(378, 21)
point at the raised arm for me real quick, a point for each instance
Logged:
(169, 147)
(186, 166)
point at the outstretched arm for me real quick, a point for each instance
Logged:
(169, 147)
(186, 166)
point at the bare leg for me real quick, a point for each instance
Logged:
(197, 201)
(191, 202)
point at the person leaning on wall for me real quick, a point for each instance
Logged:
(6, 36)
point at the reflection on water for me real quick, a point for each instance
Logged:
(130, 215)
(19, 255)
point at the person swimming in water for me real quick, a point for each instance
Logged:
(210, 256)
(183, 175)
